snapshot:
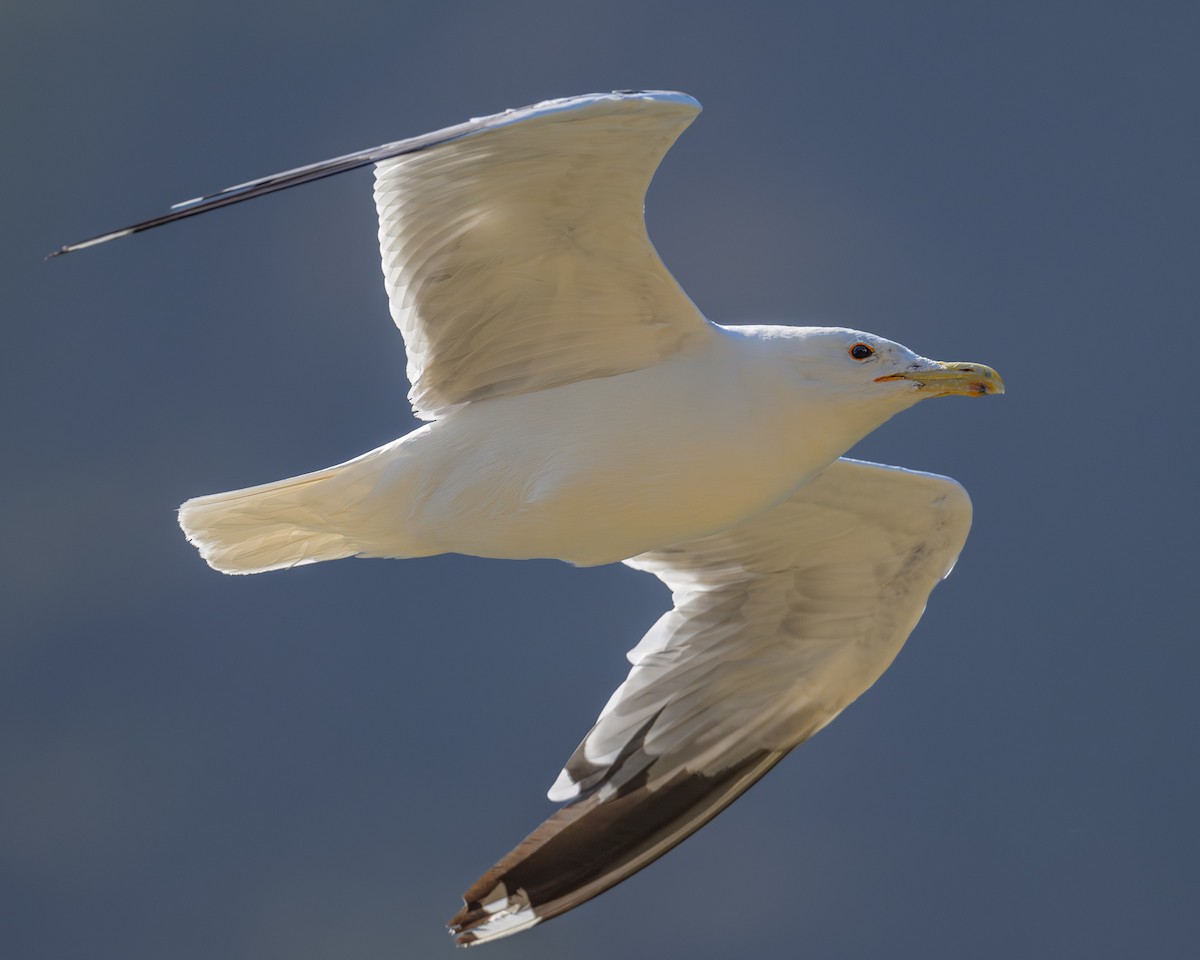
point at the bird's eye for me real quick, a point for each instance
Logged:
(860, 351)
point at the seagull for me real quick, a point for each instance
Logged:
(580, 407)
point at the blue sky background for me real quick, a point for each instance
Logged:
(315, 764)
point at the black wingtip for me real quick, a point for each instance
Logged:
(57, 253)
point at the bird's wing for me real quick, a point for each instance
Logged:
(516, 256)
(778, 624)
(514, 247)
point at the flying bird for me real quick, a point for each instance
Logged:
(580, 407)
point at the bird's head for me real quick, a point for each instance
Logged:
(871, 367)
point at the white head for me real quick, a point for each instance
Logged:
(854, 365)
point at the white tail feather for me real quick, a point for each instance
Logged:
(306, 519)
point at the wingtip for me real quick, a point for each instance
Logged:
(455, 927)
(478, 922)
(94, 241)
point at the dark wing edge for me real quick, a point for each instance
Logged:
(361, 158)
(594, 843)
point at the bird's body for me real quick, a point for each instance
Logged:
(590, 472)
(583, 409)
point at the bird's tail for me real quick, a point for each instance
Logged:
(326, 515)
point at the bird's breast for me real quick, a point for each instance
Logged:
(601, 470)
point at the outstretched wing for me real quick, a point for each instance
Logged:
(778, 624)
(516, 257)
(514, 246)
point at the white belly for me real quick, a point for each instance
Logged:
(598, 471)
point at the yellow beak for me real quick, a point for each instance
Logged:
(953, 379)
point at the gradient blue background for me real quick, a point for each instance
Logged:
(314, 764)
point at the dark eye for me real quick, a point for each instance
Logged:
(860, 351)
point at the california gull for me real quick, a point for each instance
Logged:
(580, 407)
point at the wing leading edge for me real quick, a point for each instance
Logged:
(361, 158)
